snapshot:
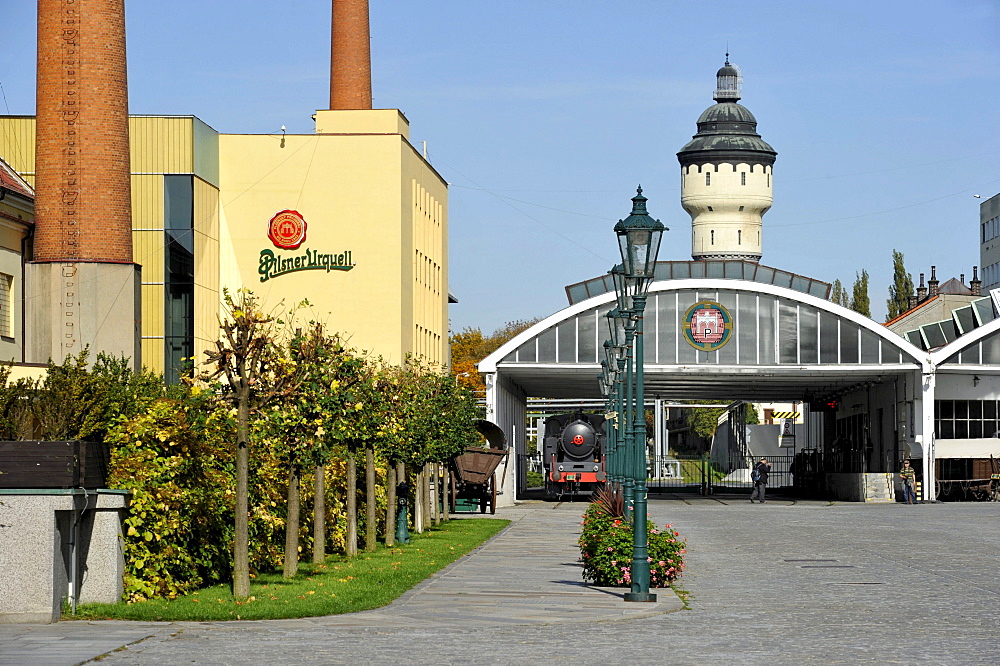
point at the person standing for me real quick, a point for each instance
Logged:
(909, 476)
(759, 476)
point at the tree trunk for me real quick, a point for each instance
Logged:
(418, 502)
(319, 515)
(436, 471)
(241, 539)
(351, 540)
(439, 496)
(292, 524)
(390, 505)
(371, 524)
(401, 478)
(428, 499)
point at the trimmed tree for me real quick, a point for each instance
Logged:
(248, 356)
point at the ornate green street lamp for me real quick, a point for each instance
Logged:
(639, 242)
(622, 335)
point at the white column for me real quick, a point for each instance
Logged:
(928, 382)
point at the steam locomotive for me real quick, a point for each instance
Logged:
(573, 454)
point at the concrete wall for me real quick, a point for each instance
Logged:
(82, 304)
(37, 539)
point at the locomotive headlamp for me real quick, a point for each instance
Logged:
(639, 240)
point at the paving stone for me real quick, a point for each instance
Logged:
(922, 588)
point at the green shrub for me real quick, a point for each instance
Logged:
(175, 459)
(606, 550)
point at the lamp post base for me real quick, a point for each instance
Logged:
(640, 596)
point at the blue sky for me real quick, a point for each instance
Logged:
(544, 115)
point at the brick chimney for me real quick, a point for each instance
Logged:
(975, 284)
(921, 291)
(83, 204)
(82, 286)
(932, 284)
(350, 56)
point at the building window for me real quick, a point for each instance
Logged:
(743, 178)
(708, 179)
(769, 180)
(710, 208)
(5, 319)
(739, 237)
(178, 278)
(741, 209)
(713, 237)
(966, 419)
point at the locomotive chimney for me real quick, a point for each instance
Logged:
(350, 56)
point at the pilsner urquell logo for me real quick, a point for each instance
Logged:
(287, 230)
(707, 325)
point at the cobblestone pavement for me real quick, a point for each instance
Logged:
(785, 583)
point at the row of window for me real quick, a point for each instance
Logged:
(991, 276)
(966, 419)
(743, 178)
(739, 234)
(991, 229)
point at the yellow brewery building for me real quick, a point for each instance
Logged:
(351, 218)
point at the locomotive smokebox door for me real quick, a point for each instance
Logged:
(579, 439)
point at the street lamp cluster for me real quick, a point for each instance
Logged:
(622, 379)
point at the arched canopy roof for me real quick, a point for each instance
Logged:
(978, 350)
(784, 345)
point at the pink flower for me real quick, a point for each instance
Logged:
(662, 563)
(649, 559)
(610, 549)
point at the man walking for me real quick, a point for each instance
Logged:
(759, 477)
(908, 475)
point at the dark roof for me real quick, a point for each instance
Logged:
(727, 130)
(953, 286)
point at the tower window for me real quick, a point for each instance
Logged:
(739, 237)
(743, 178)
(708, 179)
(710, 208)
(713, 237)
(769, 180)
(741, 209)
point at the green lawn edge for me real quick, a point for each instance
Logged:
(339, 585)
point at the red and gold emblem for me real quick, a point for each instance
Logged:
(287, 230)
(707, 325)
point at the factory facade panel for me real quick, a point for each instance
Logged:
(371, 251)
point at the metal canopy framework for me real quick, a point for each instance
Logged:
(785, 345)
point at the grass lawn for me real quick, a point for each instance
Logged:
(340, 585)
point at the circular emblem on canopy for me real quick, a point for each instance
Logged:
(707, 325)
(287, 230)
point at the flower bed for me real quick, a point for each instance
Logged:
(606, 550)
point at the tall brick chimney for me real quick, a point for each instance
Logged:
(83, 202)
(932, 284)
(350, 57)
(975, 284)
(82, 287)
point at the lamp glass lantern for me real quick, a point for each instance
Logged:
(639, 240)
(616, 329)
